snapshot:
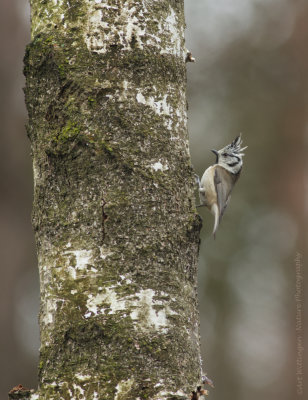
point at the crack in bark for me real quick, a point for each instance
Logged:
(104, 218)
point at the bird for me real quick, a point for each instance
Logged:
(219, 179)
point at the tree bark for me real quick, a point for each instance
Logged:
(114, 212)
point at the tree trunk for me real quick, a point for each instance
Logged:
(114, 212)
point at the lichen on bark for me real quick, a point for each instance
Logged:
(114, 215)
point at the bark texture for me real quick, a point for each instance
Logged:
(114, 213)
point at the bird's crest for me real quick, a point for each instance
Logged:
(235, 147)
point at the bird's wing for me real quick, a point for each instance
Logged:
(224, 182)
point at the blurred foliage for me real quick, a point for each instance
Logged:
(250, 76)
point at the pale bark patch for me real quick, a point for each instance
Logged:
(164, 394)
(141, 307)
(161, 107)
(158, 166)
(126, 24)
(123, 388)
(50, 309)
(83, 378)
(34, 396)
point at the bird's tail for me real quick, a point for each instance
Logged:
(215, 212)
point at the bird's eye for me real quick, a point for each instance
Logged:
(224, 154)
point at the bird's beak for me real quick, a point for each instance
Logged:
(216, 154)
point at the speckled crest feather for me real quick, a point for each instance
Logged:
(235, 147)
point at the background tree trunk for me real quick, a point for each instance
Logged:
(114, 213)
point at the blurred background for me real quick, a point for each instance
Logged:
(250, 76)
